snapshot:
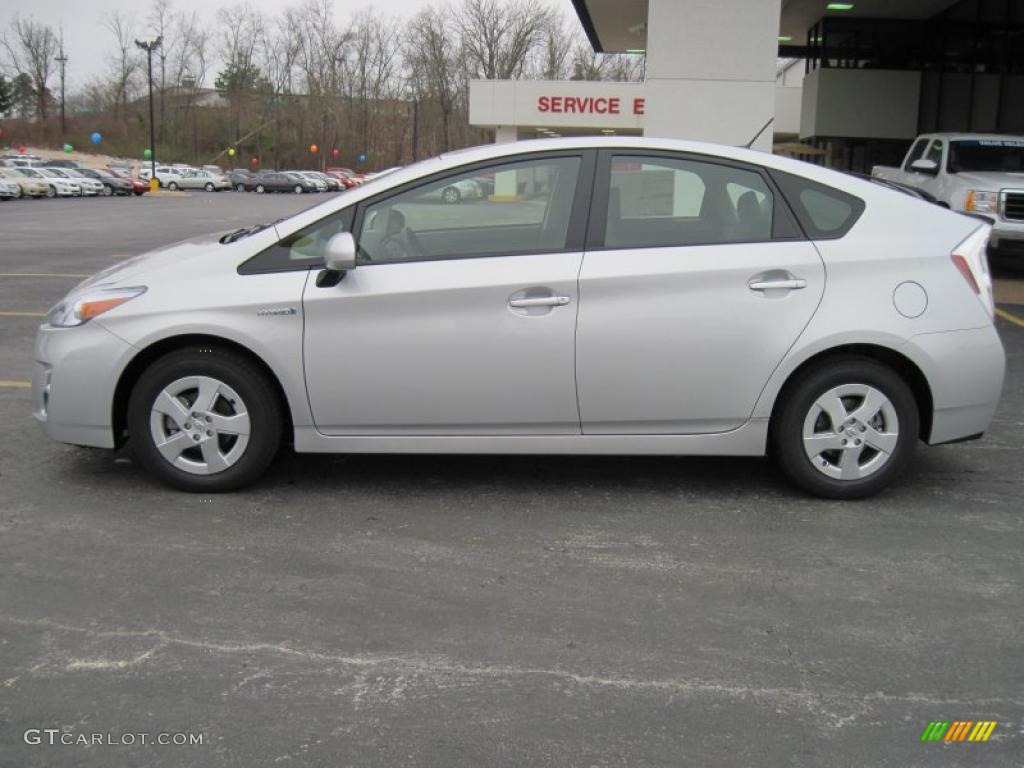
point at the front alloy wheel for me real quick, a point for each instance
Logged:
(846, 429)
(204, 420)
(298, 189)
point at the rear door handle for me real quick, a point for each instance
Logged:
(539, 301)
(777, 285)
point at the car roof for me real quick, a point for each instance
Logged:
(952, 136)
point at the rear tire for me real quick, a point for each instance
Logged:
(208, 453)
(51, 191)
(209, 187)
(173, 186)
(451, 195)
(260, 189)
(239, 187)
(846, 429)
(298, 189)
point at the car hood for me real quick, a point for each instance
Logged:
(136, 270)
(991, 181)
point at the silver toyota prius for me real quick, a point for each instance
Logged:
(603, 296)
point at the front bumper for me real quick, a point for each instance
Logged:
(73, 381)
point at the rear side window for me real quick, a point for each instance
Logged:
(824, 212)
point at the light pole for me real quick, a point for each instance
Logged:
(62, 60)
(149, 47)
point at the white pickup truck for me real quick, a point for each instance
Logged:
(980, 174)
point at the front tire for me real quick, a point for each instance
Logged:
(846, 429)
(239, 187)
(205, 421)
(260, 189)
(51, 191)
(451, 195)
(208, 187)
(173, 186)
(107, 190)
(298, 189)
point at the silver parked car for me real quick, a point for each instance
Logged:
(613, 296)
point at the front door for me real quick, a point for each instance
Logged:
(460, 316)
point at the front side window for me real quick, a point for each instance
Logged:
(915, 153)
(515, 208)
(302, 249)
(934, 152)
(661, 202)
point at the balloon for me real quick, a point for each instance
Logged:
(362, 158)
(335, 152)
(21, 149)
(148, 154)
(68, 148)
(254, 160)
(231, 152)
(96, 138)
(314, 148)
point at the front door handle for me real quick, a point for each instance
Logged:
(792, 284)
(539, 301)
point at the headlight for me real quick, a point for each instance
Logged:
(93, 304)
(982, 202)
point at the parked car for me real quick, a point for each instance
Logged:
(23, 161)
(139, 188)
(89, 185)
(278, 182)
(343, 178)
(200, 180)
(166, 175)
(112, 185)
(459, 190)
(238, 177)
(9, 189)
(319, 185)
(29, 187)
(333, 185)
(56, 185)
(216, 170)
(642, 296)
(972, 173)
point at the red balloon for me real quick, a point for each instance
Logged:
(254, 160)
(335, 152)
(21, 149)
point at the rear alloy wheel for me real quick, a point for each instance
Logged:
(51, 191)
(451, 195)
(847, 429)
(239, 187)
(204, 421)
(298, 189)
(208, 187)
(173, 186)
(260, 189)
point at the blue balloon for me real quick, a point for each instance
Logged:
(96, 138)
(362, 158)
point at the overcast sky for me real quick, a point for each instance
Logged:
(86, 40)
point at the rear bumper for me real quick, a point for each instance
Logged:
(965, 372)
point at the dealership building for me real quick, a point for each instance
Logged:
(853, 82)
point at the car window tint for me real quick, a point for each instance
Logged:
(521, 207)
(301, 249)
(663, 202)
(824, 212)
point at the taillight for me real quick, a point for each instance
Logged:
(965, 270)
(971, 260)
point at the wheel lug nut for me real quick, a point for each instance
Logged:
(196, 438)
(195, 415)
(845, 442)
(188, 425)
(209, 418)
(210, 434)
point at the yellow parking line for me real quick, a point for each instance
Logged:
(42, 274)
(15, 384)
(1010, 317)
(22, 314)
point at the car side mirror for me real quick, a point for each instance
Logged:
(925, 166)
(339, 258)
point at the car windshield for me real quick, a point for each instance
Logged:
(55, 172)
(73, 173)
(997, 155)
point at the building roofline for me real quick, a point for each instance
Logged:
(588, 24)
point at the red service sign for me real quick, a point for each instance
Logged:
(587, 105)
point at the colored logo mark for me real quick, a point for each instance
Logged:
(958, 730)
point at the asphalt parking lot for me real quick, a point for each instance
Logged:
(488, 611)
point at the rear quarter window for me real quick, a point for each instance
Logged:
(824, 212)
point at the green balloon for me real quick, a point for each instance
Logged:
(68, 148)
(147, 154)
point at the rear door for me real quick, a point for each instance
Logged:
(695, 282)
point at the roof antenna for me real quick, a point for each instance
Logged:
(757, 135)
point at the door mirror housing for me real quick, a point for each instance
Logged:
(340, 253)
(925, 166)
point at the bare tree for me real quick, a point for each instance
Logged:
(161, 21)
(556, 49)
(32, 51)
(432, 58)
(500, 36)
(125, 63)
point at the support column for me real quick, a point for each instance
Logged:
(506, 134)
(711, 70)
